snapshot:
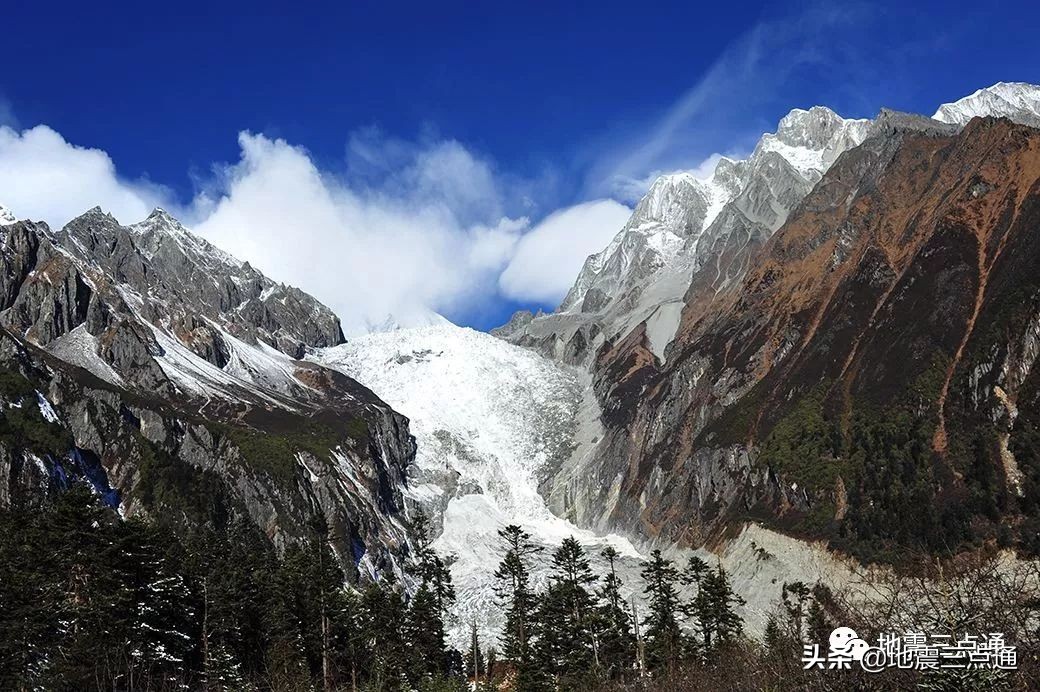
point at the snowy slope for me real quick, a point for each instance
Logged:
(420, 317)
(490, 421)
(1015, 100)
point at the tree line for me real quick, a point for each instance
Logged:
(89, 601)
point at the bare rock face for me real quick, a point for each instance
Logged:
(174, 381)
(181, 277)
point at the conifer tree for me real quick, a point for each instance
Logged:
(94, 614)
(162, 619)
(773, 637)
(713, 607)
(661, 627)
(515, 593)
(617, 643)
(566, 647)
(27, 601)
(795, 596)
(352, 643)
(285, 618)
(474, 660)
(817, 625)
(430, 568)
(424, 632)
(383, 616)
(430, 606)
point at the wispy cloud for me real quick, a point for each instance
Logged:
(754, 72)
(7, 115)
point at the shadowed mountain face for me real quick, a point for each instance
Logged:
(869, 380)
(172, 377)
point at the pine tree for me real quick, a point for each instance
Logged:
(773, 637)
(222, 672)
(713, 608)
(30, 597)
(429, 568)
(474, 660)
(566, 647)
(661, 628)
(424, 632)
(514, 590)
(352, 642)
(617, 642)
(326, 581)
(817, 626)
(287, 622)
(794, 597)
(430, 606)
(383, 616)
(94, 614)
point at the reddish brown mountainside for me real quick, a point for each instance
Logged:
(870, 380)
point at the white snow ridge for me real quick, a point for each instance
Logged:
(1017, 101)
(490, 419)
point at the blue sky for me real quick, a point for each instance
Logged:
(403, 156)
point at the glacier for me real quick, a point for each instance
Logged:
(491, 422)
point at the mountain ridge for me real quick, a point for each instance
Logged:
(172, 367)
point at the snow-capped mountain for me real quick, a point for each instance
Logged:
(677, 271)
(492, 421)
(197, 352)
(1017, 101)
(6, 217)
(643, 274)
(214, 326)
(684, 224)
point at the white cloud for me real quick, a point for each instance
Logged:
(548, 257)
(403, 230)
(43, 177)
(429, 235)
(397, 250)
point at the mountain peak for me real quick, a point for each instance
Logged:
(1018, 101)
(160, 213)
(811, 139)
